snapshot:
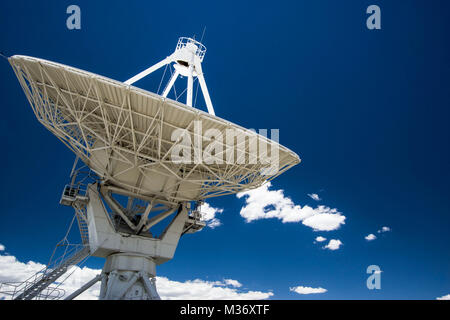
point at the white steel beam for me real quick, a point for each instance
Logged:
(201, 79)
(170, 84)
(190, 87)
(148, 71)
(204, 88)
(85, 287)
(155, 220)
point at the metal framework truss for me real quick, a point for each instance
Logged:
(124, 134)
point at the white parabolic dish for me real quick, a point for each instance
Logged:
(124, 134)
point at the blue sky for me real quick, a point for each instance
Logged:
(367, 111)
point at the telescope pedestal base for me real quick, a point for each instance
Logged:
(128, 277)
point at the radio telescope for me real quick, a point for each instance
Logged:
(125, 138)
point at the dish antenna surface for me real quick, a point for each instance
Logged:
(136, 146)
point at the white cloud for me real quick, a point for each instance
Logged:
(308, 290)
(446, 297)
(204, 290)
(233, 283)
(334, 244)
(384, 229)
(314, 196)
(12, 270)
(320, 239)
(2, 247)
(262, 203)
(209, 215)
(324, 219)
(213, 223)
(370, 237)
(228, 282)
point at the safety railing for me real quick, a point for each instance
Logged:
(14, 289)
(201, 49)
